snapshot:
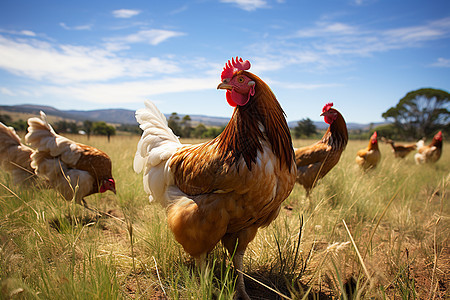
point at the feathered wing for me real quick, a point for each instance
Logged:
(15, 156)
(427, 154)
(368, 158)
(310, 160)
(156, 146)
(420, 143)
(55, 159)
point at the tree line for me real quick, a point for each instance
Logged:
(420, 113)
(182, 127)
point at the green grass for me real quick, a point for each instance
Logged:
(397, 216)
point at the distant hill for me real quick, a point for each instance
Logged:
(126, 116)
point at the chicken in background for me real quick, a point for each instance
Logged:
(369, 157)
(15, 156)
(315, 161)
(73, 169)
(400, 151)
(430, 153)
(226, 188)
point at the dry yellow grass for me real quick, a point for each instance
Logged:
(397, 215)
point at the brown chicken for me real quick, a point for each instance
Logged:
(227, 188)
(400, 151)
(430, 153)
(315, 161)
(369, 157)
(74, 170)
(15, 156)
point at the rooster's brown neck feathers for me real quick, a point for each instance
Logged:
(336, 133)
(436, 143)
(261, 119)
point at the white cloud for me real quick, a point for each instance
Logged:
(132, 91)
(179, 10)
(6, 91)
(326, 29)
(125, 13)
(442, 63)
(417, 34)
(22, 32)
(248, 5)
(79, 27)
(66, 63)
(333, 39)
(28, 33)
(151, 36)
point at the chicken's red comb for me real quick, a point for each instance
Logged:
(327, 107)
(233, 66)
(374, 135)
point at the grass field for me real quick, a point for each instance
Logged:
(380, 235)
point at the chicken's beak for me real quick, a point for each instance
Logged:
(224, 86)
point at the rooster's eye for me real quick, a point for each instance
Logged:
(240, 79)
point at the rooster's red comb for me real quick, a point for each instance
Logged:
(327, 107)
(234, 65)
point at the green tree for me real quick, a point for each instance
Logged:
(102, 128)
(87, 127)
(6, 119)
(420, 113)
(65, 127)
(199, 131)
(213, 132)
(186, 126)
(19, 125)
(174, 124)
(305, 127)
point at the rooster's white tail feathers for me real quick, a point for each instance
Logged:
(157, 144)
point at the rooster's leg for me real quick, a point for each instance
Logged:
(236, 243)
(238, 262)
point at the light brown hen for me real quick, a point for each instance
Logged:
(369, 157)
(429, 153)
(74, 170)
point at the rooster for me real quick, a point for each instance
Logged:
(400, 151)
(73, 169)
(369, 157)
(15, 156)
(226, 188)
(315, 161)
(430, 153)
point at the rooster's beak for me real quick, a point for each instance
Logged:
(224, 86)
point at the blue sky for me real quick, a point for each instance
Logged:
(363, 55)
